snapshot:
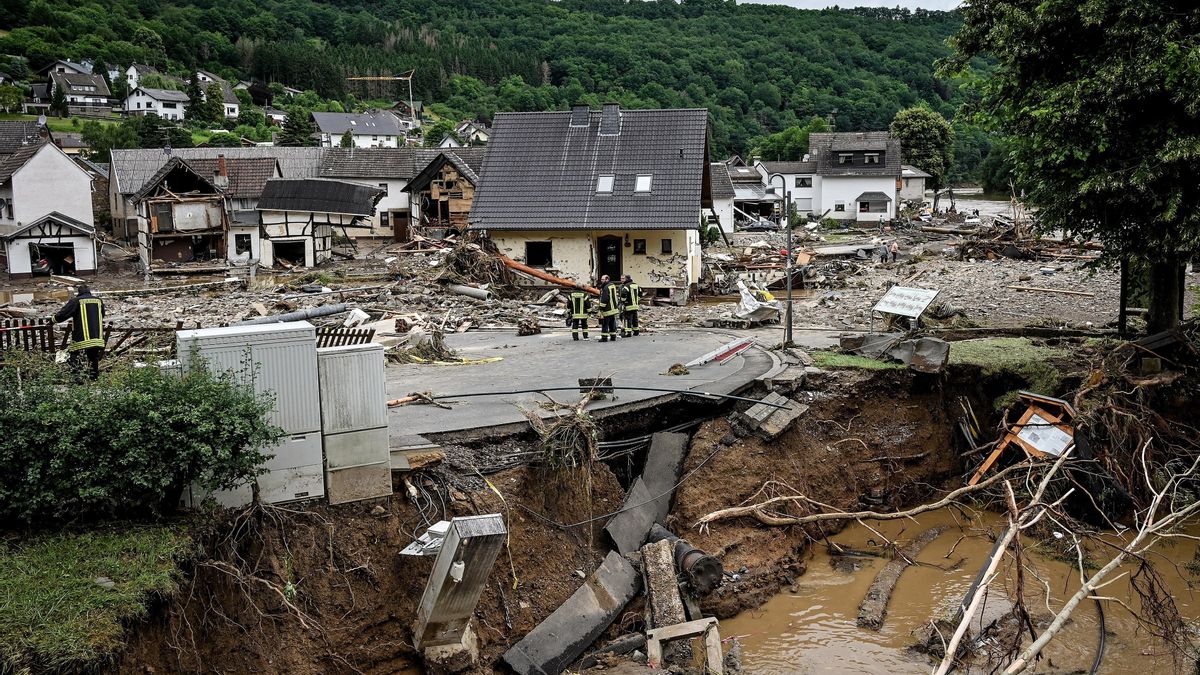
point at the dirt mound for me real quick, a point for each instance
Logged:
(837, 454)
(352, 597)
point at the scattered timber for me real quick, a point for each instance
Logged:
(874, 607)
(160, 290)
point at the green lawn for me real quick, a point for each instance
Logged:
(57, 123)
(825, 359)
(53, 613)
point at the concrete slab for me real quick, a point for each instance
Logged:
(552, 359)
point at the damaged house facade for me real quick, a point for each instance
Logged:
(582, 193)
(299, 217)
(740, 198)
(851, 176)
(443, 191)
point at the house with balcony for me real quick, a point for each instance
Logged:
(168, 104)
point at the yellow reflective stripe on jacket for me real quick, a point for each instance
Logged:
(635, 296)
(578, 302)
(93, 335)
(614, 301)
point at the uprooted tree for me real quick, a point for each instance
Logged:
(1105, 140)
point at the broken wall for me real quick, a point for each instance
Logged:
(573, 254)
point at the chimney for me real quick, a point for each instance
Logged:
(221, 175)
(580, 113)
(610, 119)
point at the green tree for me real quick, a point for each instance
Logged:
(298, 128)
(11, 97)
(213, 104)
(195, 109)
(103, 138)
(926, 142)
(224, 139)
(152, 45)
(58, 102)
(1105, 141)
(101, 68)
(437, 132)
(347, 140)
(790, 144)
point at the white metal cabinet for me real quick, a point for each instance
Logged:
(295, 450)
(293, 484)
(354, 422)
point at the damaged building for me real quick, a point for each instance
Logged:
(300, 216)
(582, 193)
(443, 192)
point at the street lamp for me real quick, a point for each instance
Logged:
(787, 218)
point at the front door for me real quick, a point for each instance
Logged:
(400, 226)
(609, 262)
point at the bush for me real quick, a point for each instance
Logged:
(124, 446)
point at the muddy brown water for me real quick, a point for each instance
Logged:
(7, 297)
(811, 627)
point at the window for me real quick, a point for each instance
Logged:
(639, 246)
(871, 159)
(383, 220)
(241, 244)
(845, 158)
(864, 207)
(538, 254)
(385, 188)
(169, 105)
(10, 210)
(374, 138)
(666, 246)
(839, 207)
(803, 181)
(642, 184)
(604, 184)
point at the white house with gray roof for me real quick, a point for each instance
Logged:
(166, 103)
(378, 129)
(582, 193)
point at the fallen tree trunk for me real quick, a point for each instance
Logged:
(544, 276)
(874, 606)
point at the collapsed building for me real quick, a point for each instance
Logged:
(299, 217)
(583, 193)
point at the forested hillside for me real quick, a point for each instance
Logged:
(758, 68)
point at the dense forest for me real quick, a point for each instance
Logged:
(758, 68)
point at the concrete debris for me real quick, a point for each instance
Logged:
(769, 421)
(556, 642)
(706, 628)
(924, 355)
(528, 326)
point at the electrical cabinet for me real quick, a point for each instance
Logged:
(354, 422)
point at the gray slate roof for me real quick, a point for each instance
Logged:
(11, 163)
(790, 167)
(873, 197)
(76, 84)
(164, 94)
(718, 175)
(394, 163)
(226, 89)
(541, 171)
(822, 146)
(319, 195)
(371, 124)
(132, 168)
(913, 172)
(16, 133)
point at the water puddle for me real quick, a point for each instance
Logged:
(811, 628)
(59, 295)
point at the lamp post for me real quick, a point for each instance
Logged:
(787, 218)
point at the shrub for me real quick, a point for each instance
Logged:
(123, 446)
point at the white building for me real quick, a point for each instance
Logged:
(37, 180)
(166, 103)
(80, 90)
(231, 106)
(378, 129)
(299, 216)
(846, 176)
(133, 74)
(912, 184)
(68, 245)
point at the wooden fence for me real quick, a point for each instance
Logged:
(31, 335)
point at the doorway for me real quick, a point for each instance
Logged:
(290, 253)
(608, 253)
(399, 225)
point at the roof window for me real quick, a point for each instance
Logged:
(642, 184)
(604, 183)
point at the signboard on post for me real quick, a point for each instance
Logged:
(904, 301)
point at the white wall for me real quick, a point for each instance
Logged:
(724, 211)
(362, 140)
(20, 263)
(913, 189)
(140, 103)
(846, 188)
(573, 253)
(51, 181)
(255, 244)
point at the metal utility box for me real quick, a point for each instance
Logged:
(278, 360)
(354, 422)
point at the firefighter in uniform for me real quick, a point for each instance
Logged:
(86, 313)
(610, 307)
(631, 295)
(577, 319)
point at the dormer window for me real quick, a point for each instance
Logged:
(604, 184)
(642, 184)
(845, 158)
(871, 158)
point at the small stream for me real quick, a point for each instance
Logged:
(811, 627)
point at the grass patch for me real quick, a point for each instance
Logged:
(826, 359)
(53, 613)
(58, 123)
(1033, 363)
